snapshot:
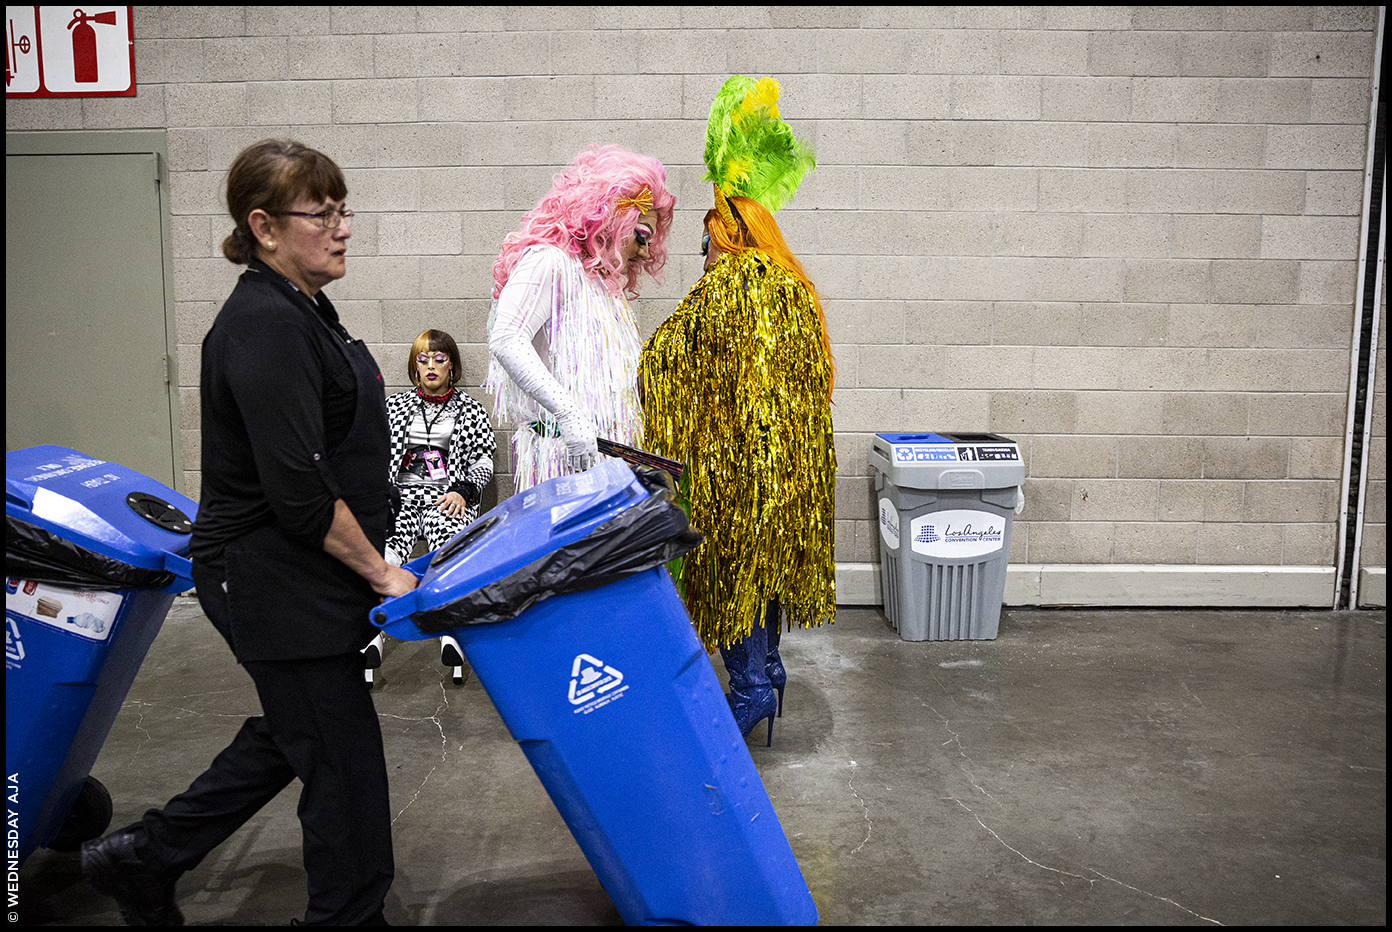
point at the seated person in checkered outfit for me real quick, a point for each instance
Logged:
(442, 457)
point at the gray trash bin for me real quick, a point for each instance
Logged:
(945, 507)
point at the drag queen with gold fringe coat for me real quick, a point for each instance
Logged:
(737, 385)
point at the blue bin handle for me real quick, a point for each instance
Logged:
(20, 493)
(395, 609)
(466, 537)
(179, 566)
(419, 566)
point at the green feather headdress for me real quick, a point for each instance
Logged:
(750, 151)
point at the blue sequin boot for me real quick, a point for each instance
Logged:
(751, 696)
(773, 665)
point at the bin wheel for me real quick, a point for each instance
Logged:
(89, 818)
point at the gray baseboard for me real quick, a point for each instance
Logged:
(1124, 585)
(1372, 587)
(1140, 585)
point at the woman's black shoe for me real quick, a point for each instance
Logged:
(112, 867)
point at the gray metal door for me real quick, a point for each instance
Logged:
(88, 347)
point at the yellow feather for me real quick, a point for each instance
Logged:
(736, 170)
(765, 94)
(742, 113)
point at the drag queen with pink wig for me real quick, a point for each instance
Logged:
(563, 340)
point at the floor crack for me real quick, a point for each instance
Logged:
(1163, 899)
(957, 740)
(444, 744)
(1089, 880)
(139, 705)
(871, 826)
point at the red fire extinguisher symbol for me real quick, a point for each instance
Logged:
(84, 44)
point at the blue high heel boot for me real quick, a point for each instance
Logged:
(773, 665)
(751, 695)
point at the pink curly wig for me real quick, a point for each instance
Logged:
(578, 216)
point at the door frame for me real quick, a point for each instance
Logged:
(130, 142)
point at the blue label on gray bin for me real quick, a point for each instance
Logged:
(924, 454)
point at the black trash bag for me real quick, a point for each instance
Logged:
(36, 554)
(648, 534)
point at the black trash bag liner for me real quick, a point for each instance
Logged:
(34, 553)
(649, 534)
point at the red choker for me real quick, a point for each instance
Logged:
(435, 399)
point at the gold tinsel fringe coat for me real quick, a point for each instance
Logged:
(735, 385)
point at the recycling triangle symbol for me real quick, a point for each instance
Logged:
(591, 677)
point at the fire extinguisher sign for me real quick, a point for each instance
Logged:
(65, 51)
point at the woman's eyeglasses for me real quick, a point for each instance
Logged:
(705, 244)
(328, 219)
(426, 359)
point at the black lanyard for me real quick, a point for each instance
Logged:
(429, 424)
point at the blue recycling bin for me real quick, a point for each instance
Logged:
(611, 697)
(94, 555)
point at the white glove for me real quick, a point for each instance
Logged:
(582, 445)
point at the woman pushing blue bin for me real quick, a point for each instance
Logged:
(561, 604)
(94, 555)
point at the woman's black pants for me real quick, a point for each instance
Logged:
(317, 723)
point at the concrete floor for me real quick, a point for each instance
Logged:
(1087, 767)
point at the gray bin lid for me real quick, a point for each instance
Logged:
(948, 460)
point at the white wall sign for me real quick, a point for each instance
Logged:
(957, 533)
(65, 51)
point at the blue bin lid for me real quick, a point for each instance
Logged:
(103, 506)
(915, 438)
(517, 532)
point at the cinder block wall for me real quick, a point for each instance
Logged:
(1124, 236)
